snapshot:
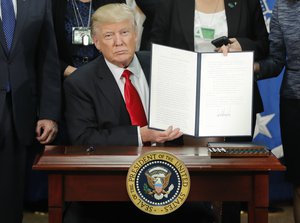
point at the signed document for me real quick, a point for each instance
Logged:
(203, 94)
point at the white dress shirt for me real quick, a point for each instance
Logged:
(138, 80)
(15, 8)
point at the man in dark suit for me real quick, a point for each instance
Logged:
(29, 94)
(97, 106)
(96, 113)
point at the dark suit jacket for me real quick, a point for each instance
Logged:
(32, 68)
(59, 12)
(95, 110)
(174, 26)
(149, 8)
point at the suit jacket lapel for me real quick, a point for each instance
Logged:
(186, 20)
(233, 13)
(110, 89)
(145, 61)
(2, 39)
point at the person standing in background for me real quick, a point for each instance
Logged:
(149, 8)
(72, 27)
(140, 19)
(193, 24)
(285, 52)
(30, 94)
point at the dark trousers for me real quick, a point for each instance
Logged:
(290, 131)
(12, 166)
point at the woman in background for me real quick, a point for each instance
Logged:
(72, 26)
(149, 8)
(285, 52)
(193, 24)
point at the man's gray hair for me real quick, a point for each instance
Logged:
(112, 13)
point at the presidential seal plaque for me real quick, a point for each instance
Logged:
(158, 183)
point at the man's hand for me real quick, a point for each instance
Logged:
(46, 131)
(150, 135)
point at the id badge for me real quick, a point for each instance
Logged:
(82, 36)
(197, 32)
(208, 33)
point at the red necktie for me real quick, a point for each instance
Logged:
(133, 102)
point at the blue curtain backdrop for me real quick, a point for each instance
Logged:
(267, 130)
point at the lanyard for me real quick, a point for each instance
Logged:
(78, 15)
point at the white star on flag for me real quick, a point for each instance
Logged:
(261, 125)
(278, 151)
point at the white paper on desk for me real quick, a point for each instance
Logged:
(226, 94)
(173, 89)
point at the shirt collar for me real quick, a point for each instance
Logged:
(118, 71)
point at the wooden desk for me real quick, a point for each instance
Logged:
(78, 175)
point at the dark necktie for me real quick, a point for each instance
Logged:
(8, 21)
(133, 102)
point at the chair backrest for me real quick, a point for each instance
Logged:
(194, 141)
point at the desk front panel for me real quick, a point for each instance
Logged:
(205, 186)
